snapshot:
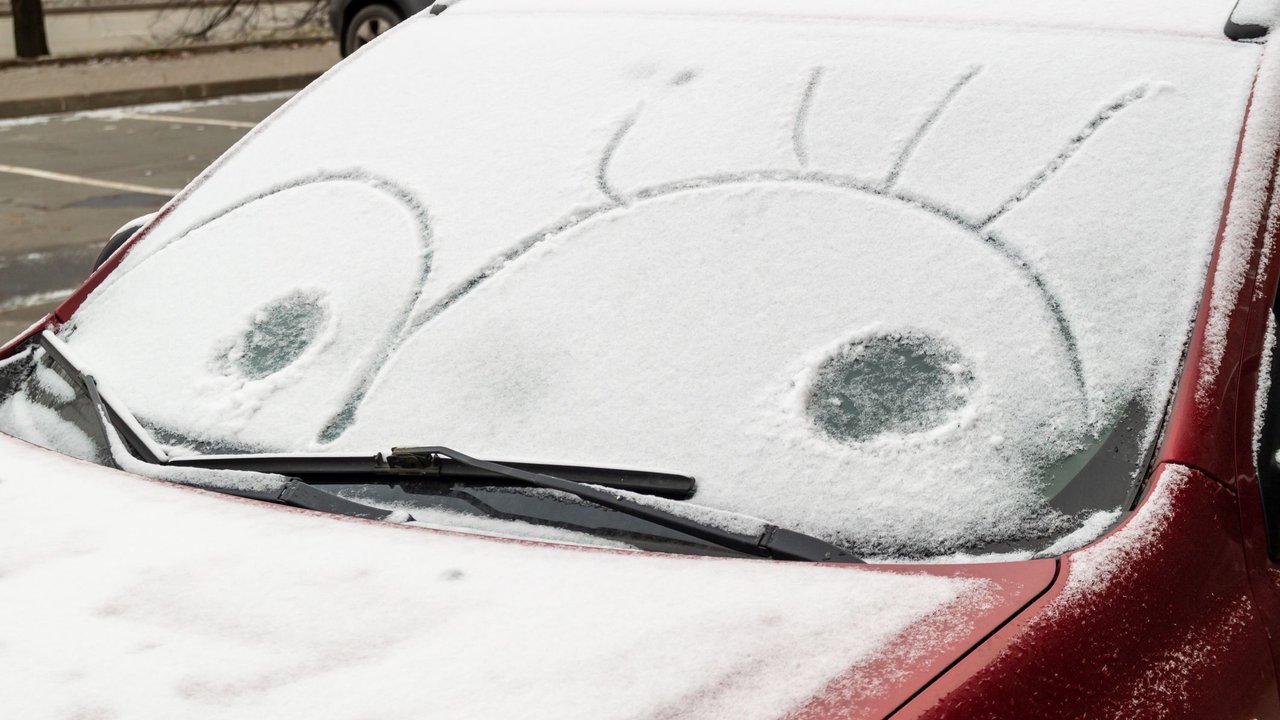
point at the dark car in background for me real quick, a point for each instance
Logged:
(357, 22)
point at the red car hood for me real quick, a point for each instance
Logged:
(879, 685)
(138, 598)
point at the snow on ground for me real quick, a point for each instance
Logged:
(605, 239)
(24, 301)
(118, 112)
(126, 598)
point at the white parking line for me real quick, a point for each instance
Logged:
(185, 119)
(25, 301)
(153, 109)
(93, 182)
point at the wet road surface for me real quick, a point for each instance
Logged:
(66, 184)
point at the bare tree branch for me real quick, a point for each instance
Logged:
(238, 16)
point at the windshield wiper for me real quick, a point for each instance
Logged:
(326, 468)
(444, 463)
(448, 464)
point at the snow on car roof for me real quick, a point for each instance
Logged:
(636, 241)
(126, 598)
(1193, 17)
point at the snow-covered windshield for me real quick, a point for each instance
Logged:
(893, 285)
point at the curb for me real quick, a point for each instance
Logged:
(142, 5)
(161, 53)
(144, 96)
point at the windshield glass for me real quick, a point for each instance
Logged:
(915, 290)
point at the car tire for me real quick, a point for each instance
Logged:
(368, 23)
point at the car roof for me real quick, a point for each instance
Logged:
(1204, 18)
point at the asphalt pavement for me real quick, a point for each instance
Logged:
(68, 182)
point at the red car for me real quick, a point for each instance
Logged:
(826, 360)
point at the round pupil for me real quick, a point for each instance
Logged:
(889, 384)
(280, 332)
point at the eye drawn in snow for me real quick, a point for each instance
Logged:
(888, 383)
(247, 355)
(620, 201)
(277, 335)
(305, 306)
(954, 236)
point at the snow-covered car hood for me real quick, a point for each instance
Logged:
(128, 598)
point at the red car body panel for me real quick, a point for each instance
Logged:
(1189, 629)
(1201, 428)
(1175, 634)
(877, 688)
(1184, 630)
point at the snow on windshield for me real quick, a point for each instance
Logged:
(866, 281)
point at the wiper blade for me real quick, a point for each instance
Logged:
(772, 541)
(590, 484)
(320, 469)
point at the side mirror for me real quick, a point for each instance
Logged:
(120, 237)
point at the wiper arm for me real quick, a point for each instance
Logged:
(772, 542)
(114, 419)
